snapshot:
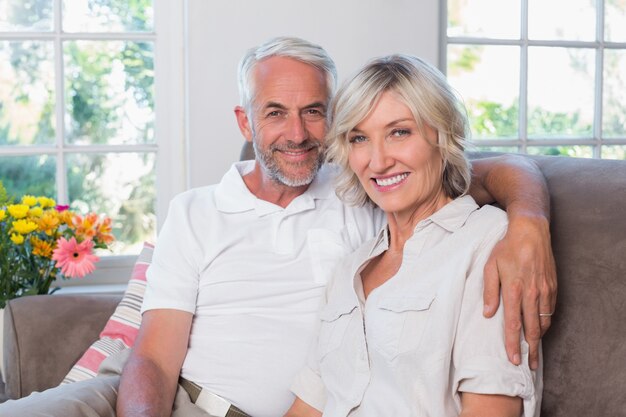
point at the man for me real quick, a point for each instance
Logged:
(240, 267)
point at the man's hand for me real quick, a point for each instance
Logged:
(523, 265)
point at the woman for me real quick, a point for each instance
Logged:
(402, 333)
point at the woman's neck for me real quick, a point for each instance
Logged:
(402, 224)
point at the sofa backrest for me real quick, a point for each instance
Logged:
(585, 349)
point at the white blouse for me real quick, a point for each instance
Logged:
(420, 338)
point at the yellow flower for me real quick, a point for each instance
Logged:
(29, 200)
(66, 217)
(45, 202)
(19, 211)
(2, 215)
(17, 238)
(41, 247)
(35, 212)
(24, 226)
(49, 222)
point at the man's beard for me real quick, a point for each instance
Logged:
(271, 167)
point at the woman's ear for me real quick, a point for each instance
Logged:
(244, 123)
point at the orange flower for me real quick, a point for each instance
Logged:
(103, 231)
(85, 227)
(49, 222)
(66, 217)
(41, 247)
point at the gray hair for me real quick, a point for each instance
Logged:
(425, 91)
(289, 47)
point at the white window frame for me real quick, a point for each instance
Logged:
(523, 142)
(171, 177)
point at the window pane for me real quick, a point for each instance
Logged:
(109, 92)
(26, 93)
(562, 20)
(108, 15)
(614, 152)
(476, 18)
(615, 21)
(508, 149)
(26, 15)
(560, 92)
(29, 175)
(575, 151)
(614, 94)
(487, 78)
(120, 185)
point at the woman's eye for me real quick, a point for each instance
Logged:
(357, 139)
(400, 132)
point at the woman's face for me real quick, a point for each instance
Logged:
(399, 168)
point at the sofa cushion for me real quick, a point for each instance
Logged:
(122, 328)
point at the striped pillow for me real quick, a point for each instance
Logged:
(122, 328)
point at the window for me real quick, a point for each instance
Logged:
(541, 77)
(79, 94)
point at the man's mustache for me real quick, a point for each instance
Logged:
(305, 145)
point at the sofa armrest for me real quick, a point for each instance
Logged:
(44, 336)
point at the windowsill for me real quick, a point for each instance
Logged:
(111, 272)
(116, 289)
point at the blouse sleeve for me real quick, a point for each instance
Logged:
(480, 362)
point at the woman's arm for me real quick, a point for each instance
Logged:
(301, 409)
(522, 263)
(483, 405)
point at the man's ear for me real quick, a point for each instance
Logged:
(243, 122)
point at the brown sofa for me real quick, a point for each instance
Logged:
(584, 351)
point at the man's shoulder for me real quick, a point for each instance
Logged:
(204, 195)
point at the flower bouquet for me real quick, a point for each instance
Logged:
(40, 241)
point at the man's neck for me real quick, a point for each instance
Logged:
(270, 190)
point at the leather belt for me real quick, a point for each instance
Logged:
(209, 402)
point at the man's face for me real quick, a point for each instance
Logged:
(288, 120)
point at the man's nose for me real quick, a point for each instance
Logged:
(297, 130)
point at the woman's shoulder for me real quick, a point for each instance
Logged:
(487, 221)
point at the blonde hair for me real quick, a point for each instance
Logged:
(425, 91)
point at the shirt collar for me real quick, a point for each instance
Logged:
(453, 215)
(233, 196)
(450, 217)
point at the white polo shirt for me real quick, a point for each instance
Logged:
(420, 338)
(253, 274)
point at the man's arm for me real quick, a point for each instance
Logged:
(150, 377)
(522, 262)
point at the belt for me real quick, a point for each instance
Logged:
(209, 402)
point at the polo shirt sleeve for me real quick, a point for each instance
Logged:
(480, 362)
(173, 276)
(307, 384)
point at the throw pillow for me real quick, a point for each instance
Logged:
(122, 328)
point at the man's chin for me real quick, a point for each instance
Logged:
(301, 176)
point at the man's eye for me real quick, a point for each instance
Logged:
(314, 113)
(275, 113)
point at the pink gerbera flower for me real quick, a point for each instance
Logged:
(75, 259)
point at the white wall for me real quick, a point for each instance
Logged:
(220, 31)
